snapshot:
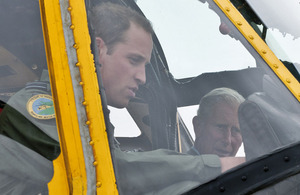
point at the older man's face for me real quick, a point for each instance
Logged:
(219, 134)
(123, 70)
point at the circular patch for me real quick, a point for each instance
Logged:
(41, 106)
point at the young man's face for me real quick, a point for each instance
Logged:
(219, 134)
(123, 70)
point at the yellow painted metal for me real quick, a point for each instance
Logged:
(260, 46)
(73, 168)
(70, 166)
(59, 183)
(106, 182)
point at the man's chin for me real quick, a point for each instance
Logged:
(223, 154)
(118, 104)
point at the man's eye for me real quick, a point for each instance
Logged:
(235, 130)
(221, 127)
(134, 61)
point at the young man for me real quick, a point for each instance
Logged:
(216, 124)
(124, 44)
(124, 51)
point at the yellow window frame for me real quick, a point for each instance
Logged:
(70, 169)
(260, 46)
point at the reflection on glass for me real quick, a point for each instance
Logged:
(281, 32)
(191, 41)
(29, 139)
(204, 51)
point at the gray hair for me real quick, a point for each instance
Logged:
(218, 95)
(111, 21)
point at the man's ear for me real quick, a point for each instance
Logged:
(102, 49)
(196, 124)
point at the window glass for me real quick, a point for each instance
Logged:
(29, 139)
(122, 120)
(195, 45)
(276, 27)
(204, 52)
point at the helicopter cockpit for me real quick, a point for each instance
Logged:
(198, 46)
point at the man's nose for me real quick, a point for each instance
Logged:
(140, 75)
(227, 137)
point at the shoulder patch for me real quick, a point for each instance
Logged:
(41, 106)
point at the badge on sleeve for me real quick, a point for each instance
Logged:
(41, 106)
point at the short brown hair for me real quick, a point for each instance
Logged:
(110, 22)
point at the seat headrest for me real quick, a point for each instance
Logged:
(266, 125)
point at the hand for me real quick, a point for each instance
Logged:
(230, 162)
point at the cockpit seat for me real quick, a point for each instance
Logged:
(266, 125)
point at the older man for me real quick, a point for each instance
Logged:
(216, 125)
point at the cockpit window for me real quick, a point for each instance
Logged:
(205, 53)
(191, 38)
(277, 27)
